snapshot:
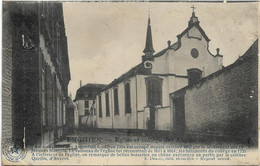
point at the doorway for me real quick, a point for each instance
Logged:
(179, 114)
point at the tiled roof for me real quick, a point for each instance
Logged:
(138, 69)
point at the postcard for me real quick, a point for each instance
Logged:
(129, 83)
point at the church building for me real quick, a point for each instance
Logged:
(139, 99)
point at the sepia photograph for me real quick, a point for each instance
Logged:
(129, 83)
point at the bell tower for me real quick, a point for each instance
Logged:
(148, 50)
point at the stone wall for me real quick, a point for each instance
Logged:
(225, 103)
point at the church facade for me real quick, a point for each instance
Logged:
(139, 99)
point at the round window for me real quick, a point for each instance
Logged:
(194, 53)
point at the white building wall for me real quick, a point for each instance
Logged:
(123, 120)
(177, 62)
(81, 107)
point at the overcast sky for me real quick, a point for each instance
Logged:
(106, 39)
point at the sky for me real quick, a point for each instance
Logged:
(106, 39)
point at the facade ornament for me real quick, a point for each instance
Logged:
(148, 65)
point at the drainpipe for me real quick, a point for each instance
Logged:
(112, 113)
(136, 100)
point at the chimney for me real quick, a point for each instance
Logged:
(80, 84)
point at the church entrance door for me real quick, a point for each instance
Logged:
(151, 123)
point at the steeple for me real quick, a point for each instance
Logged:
(193, 18)
(148, 50)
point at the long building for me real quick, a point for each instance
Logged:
(36, 72)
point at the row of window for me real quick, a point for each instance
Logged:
(154, 93)
(51, 101)
(116, 105)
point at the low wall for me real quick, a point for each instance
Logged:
(162, 119)
(226, 103)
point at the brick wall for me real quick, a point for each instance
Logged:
(6, 77)
(226, 102)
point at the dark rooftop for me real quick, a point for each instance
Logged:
(88, 91)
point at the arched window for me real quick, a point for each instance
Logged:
(107, 105)
(154, 91)
(194, 75)
(116, 108)
(100, 106)
(127, 98)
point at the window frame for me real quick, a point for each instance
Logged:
(100, 114)
(128, 108)
(116, 101)
(107, 104)
(155, 80)
(193, 70)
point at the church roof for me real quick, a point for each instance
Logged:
(138, 69)
(196, 24)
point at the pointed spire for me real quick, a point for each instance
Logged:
(148, 50)
(193, 18)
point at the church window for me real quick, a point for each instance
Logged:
(107, 105)
(127, 98)
(116, 111)
(100, 106)
(194, 53)
(194, 75)
(154, 91)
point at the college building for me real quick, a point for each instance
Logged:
(85, 102)
(36, 73)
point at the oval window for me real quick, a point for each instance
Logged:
(194, 53)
